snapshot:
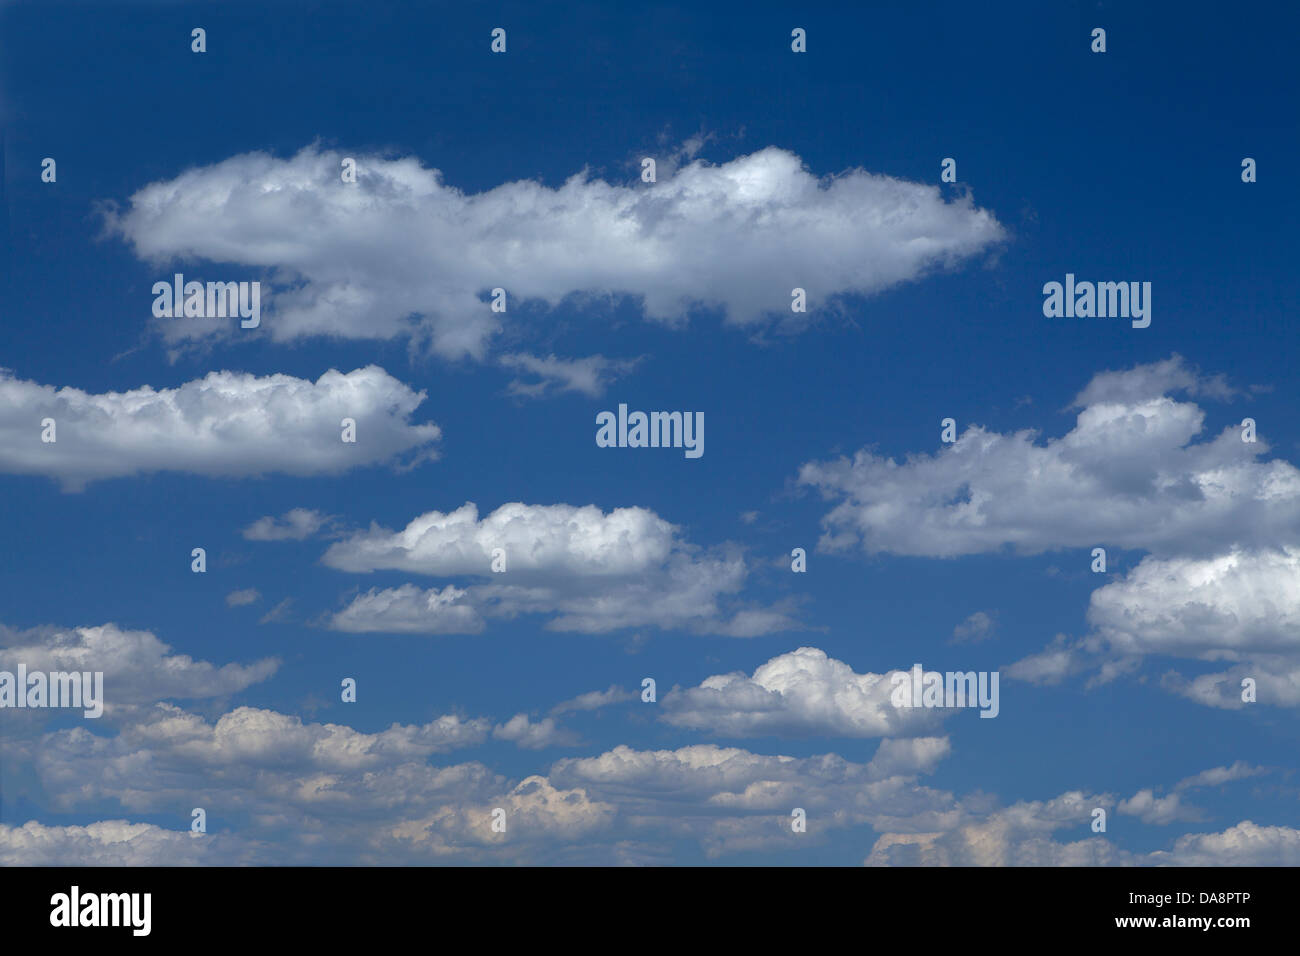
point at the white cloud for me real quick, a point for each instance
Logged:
(109, 843)
(409, 610)
(226, 424)
(138, 668)
(1217, 776)
(560, 539)
(732, 800)
(400, 253)
(306, 792)
(297, 524)
(591, 571)
(1246, 844)
(588, 376)
(1158, 811)
(1242, 606)
(1144, 382)
(594, 700)
(534, 735)
(1218, 608)
(241, 598)
(1018, 835)
(1127, 475)
(802, 693)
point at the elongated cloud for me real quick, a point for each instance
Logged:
(536, 539)
(589, 570)
(298, 524)
(138, 668)
(400, 253)
(1128, 475)
(227, 424)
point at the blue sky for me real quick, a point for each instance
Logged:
(775, 169)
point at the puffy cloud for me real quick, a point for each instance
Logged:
(1126, 475)
(1246, 844)
(110, 843)
(305, 791)
(1019, 835)
(409, 610)
(1158, 811)
(534, 735)
(802, 693)
(1242, 606)
(561, 539)
(227, 424)
(732, 800)
(1217, 608)
(400, 253)
(592, 571)
(1144, 382)
(535, 812)
(297, 524)
(138, 667)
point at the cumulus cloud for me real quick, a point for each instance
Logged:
(399, 253)
(1242, 606)
(1019, 835)
(802, 693)
(1246, 844)
(303, 791)
(253, 754)
(1145, 382)
(1128, 474)
(409, 609)
(560, 539)
(110, 843)
(138, 667)
(1217, 608)
(1217, 776)
(731, 800)
(1159, 811)
(534, 735)
(297, 524)
(309, 792)
(589, 570)
(227, 424)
